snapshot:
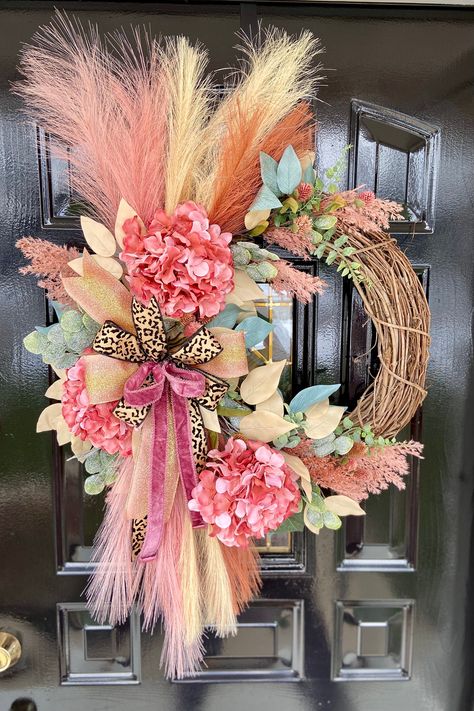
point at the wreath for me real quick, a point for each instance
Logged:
(163, 389)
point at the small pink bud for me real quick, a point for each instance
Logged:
(367, 196)
(304, 191)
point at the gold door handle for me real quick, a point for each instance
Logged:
(10, 651)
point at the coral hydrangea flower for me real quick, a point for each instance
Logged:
(245, 491)
(96, 423)
(183, 261)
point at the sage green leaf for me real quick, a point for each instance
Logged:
(310, 396)
(268, 170)
(256, 330)
(227, 318)
(292, 524)
(325, 222)
(343, 445)
(332, 520)
(265, 200)
(289, 171)
(94, 485)
(71, 321)
(35, 342)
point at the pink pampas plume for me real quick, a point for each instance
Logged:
(109, 112)
(296, 283)
(112, 586)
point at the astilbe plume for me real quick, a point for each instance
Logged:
(374, 214)
(298, 243)
(362, 472)
(49, 262)
(295, 283)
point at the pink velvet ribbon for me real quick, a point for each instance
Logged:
(180, 384)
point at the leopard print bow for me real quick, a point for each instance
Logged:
(150, 344)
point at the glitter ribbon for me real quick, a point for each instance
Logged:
(177, 384)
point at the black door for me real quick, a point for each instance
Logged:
(377, 617)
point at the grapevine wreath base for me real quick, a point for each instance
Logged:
(163, 388)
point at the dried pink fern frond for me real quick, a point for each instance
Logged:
(50, 262)
(296, 283)
(363, 472)
(298, 243)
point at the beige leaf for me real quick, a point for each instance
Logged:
(264, 426)
(323, 428)
(63, 433)
(210, 419)
(343, 506)
(108, 263)
(98, 237)
(80, 446)
(125, 212)
(307, 158)
(255, 217)
(307, 488)
(297, 465)
(60, 372)
(316, 413)
(55, 391)
(245, 289)
(48, 419)
(273, 404)
(261, 382)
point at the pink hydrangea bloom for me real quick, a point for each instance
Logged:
(96, 423)
(245, 491)
(183, 261)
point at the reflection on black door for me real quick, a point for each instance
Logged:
(343, 620)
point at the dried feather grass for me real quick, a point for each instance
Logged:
(188, 107)
(106, 102)
(276, 72)
(217, 594)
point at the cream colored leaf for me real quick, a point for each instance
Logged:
(261, 382)
(323, 428)
(80, 446)
(245, 289)
(76, 265)
(98, 237)
(108, 263)
(60, 372)
(255, 217)
(48, 419)
(307, 159)
(125, 212)
(63, 433)
(297, 465)
(264, 426)
(307, 488)
(55, 391)
(273, 404)
(210, 419)
(343, 506)
(316, 413)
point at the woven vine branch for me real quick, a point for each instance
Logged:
(394, 299)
